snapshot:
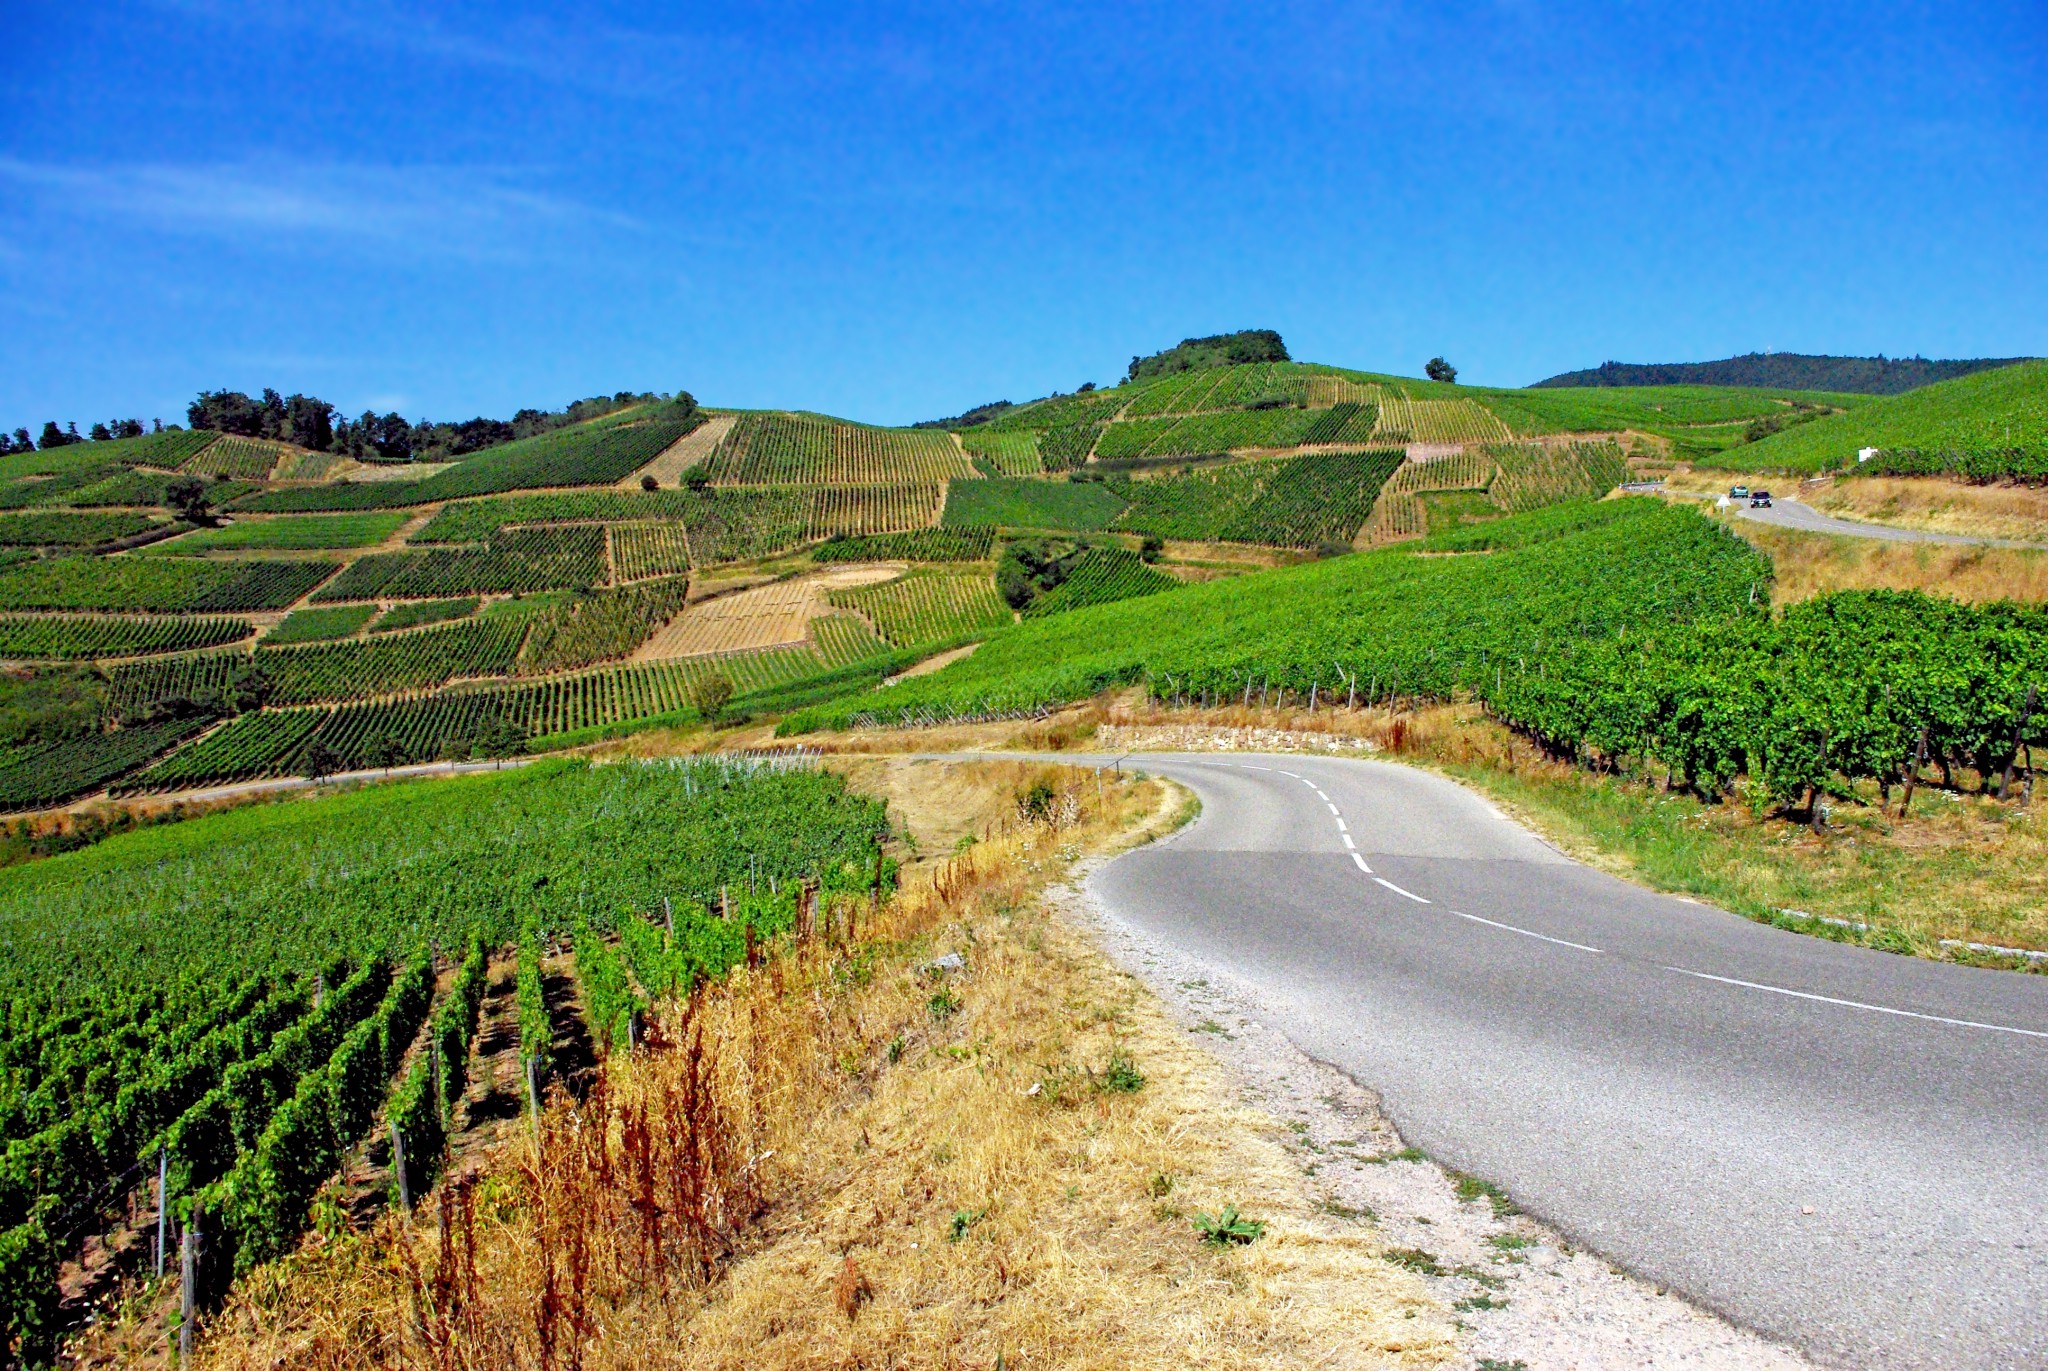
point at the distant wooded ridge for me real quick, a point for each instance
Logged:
(1785, 371)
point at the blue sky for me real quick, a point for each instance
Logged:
(895, 212)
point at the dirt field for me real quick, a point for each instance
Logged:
(774, 615)
(1938, 506)
(684, 453)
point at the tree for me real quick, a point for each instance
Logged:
(648, 482)
(321, 760)
(696, 478)
(226, 411)
(188, 498)
(100, 434)
(391, 435)
(54, 437)
(309, 422)
(710, 693)
(1150, 549)
(1440, 370)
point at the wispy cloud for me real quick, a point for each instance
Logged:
(424, 210)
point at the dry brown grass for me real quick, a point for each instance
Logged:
(871, 1163)
(1809, 564)
(1993, 511)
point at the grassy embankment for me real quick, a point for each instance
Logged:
(895, 1165)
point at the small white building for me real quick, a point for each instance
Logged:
(1864, 454)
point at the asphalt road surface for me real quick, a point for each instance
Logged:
(1805, 518)
(1842, 1148)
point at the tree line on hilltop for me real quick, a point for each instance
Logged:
(310, 422)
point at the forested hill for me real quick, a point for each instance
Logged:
(1785, 371)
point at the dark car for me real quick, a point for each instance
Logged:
(1759, 499)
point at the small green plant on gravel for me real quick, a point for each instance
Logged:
(1415, 1259)
(1494, 1364)
(1337, 1209)
(1222, 1230)
(1478, 1302)
(963, 1221)
(1472, 1188)
(1406, 1154)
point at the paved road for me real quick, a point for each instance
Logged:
(1671, 1085)
(1805, 518)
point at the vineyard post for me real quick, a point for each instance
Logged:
(668, 916)
(1314, 686)
(440, 1089)
(2018, 732)
(1913, 774)
(398, 1166)
(533, 1091)
(163, 1176)
(188, 1280)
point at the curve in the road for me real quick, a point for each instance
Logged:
(1844, 1148)
(1806, 519)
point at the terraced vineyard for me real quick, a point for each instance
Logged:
(1536, 474)
(386, 665)
(30, 637)
(1399, 512)
(69, 530)
(918, 545)
(320, 625)
(159, 585)
(306, 532)
(416, 613)
(1989, 426)
(843, 639)
(1102, 574)
(1291, 502)
(63, 771)
(245, 459)
(928, 607)
(601, 626)
(797, 449)
(461, 721)
(1439, 422)
(1084, 506)
(515, 561)
(643, 550)
(1005, 452)
(1224, 431)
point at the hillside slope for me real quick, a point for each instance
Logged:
(1990, 419)
(1784, 371)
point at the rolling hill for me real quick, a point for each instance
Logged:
(1784, 371)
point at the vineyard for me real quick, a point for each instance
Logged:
(141, 488)
(383, 666)
(320, 625)
(461, 721)
(1224, 431)
(599, 626)
(70, 530)
(306, 533)
(640, 551)
(1439, 422)
(928, 607)
(1536, 474)
(304, 942)
(840, 640)
(514, 562)
(159, 585)
(415, 614)
(918, 545)
(1399, 512)
(1989, 426)
(1291, 501)
(40, 636)
(1100, 575)
(1084, 506)
(1002, 452)
(796, 449)
(238, 458)
(63, 771)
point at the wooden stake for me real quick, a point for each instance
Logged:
(163, 1176)
(188, 1294)
(398, 1166)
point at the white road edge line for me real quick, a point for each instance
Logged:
(1398, 891)
(1540, 937)
(1347, 841)
(1859, 1004)
(1361, 863)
